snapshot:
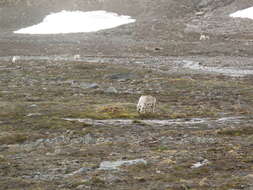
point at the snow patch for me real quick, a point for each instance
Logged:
(245, 13)
(77, 22)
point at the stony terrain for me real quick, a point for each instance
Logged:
(70, 122)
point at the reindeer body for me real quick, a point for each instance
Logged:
(146, 104)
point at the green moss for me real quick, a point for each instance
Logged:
(2, 159)
(233, 183)
(248, 159)
(137, 167)
(96, 181)
(162, 148)
(13, 138)
(110, 111)
(168, 178)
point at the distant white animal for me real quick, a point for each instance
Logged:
(77, 56)
(204, 37)
(14, 59)
(146, 104)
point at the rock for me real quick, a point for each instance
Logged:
(199, 13)
(108, 165)
(33, 105)
(112, 178)
(88, 139)
(111, 90)
(85, 85)
(122, 80)
(3, 148)
(120, 76)
(158, 48)
(146, 104)
(33, 114)
(82, 187)
(249, 177)
(78, 172)
(204, 3)
(200, 164)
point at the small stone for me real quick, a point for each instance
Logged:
(33, 114)
(158, 48)
(111, 178)
(200, 13)
(81, 187)
(88, 139)
(203, 182)
(249, 176)
(125, 76)
(122, 80)
(200, 164)
(78, 172)
(111, 90)
(85, 85)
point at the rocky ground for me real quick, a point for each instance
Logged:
(70, 122)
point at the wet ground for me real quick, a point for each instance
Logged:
(68, 102)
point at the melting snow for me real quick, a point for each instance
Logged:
(245, 13)
(77, 22)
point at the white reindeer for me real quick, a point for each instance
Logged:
(146, 104)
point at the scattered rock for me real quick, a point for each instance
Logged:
(33, 105)
(200, 164)
(158, 48)
(203, 182)
(33, 114)
(88, 139)
(200, 13)
(199, 140)
(3, 148)
(85, 85)
(122, 80)
(120, 76)
(110, 165)
(80, 171)
(249, 177)
(111, 90)
(112, 178)
(82, 187)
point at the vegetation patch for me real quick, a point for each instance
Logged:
(13, 138)
(237, 132)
